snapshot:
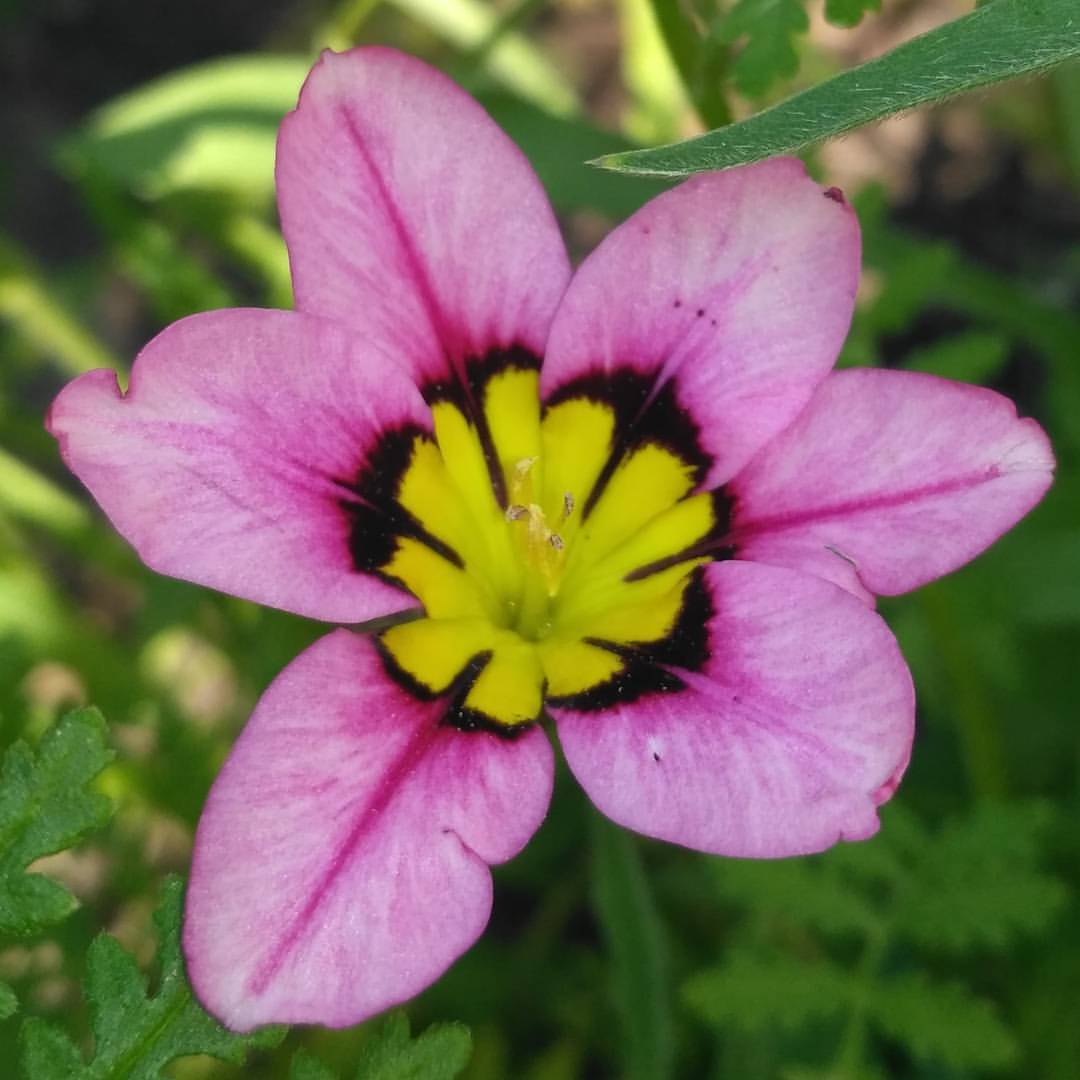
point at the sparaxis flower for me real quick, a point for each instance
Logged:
(633, 500)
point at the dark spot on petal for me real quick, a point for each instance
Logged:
(678, 303)
(835, 194)
(655, 756)
(700, 312)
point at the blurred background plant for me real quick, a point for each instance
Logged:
(136, 187)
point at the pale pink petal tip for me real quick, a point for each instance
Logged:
(786, 742)
(410, 216)
(341, 863)
(889, 479)
(228, 462)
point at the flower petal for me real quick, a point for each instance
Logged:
(738, 286)
(411, 216)
(341, 861)
(795, 729)
(227, 461)
(890, 479)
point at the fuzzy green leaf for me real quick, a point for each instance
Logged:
(9, 1003)
(764, 993)
(1003, 40)
(808, 892)
(979, 883)
(770, 28)
(305, 1067)
(135, 1036)
(45, 806)
(440, 1053)
(849, 12)
(941, 1023)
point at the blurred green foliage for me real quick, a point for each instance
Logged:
(947, 947)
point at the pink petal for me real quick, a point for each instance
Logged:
(890, 479)
(224, 463)
(341, 863)
(738, 286)
(796, 727)
(411, 216)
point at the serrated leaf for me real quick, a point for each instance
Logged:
(849, 12)
(941, 1022)
(440, 1053)
(46, 806)
(770, 28)
(1003, 40)
(806, 892)
(136, 1035)
(306, 1067)
(764, 993)
(979, 884)
(9, 1003)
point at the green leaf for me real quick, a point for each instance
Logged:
(941, 1023)
(512, 59)
(211, 126)
(764, 993)
(849, 12)
(979, 883)
(440, 1053)
(135, 1036)
(807, 892)
(770, 28)
(9, 1003)
(1002, 40)
(306, 1067)
(974, 357)
(700, 57)
(635, 939)
(45, 806)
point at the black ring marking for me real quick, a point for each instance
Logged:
(376, 522)
(645, 671)
(456, 715)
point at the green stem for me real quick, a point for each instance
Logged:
(978, 724)
(851, 1055)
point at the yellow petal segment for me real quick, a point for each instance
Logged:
(572, 666)
(427, 492)
(445, 590)
(434, 652)
(577, 440)
(463, 455)
(594, 586)
(649, 481)
(510, 688)
(512, 409)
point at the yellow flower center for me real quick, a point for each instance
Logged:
(544, 549)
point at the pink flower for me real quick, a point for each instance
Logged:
(674, 556)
